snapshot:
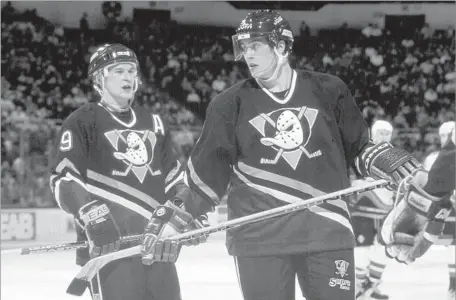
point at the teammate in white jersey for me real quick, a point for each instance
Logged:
(444, 130)
(368, 278)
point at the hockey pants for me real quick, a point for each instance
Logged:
(129, 279)
(321, 275)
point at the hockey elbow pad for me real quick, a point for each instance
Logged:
(383, 161)
(434, 209)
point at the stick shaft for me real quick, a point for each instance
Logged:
(279, 211)
(60, 247)
(264, 215)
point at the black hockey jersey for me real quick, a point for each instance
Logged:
(278, 151)
(129, 165)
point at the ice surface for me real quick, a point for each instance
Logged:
(208, 273)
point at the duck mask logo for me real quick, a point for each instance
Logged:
(135, 149)
(287, 131)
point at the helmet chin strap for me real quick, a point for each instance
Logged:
(281, 59)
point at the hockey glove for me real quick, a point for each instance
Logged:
(166, 221)
(416, 221)
(198, 223)
(100, 227)
(383, 161)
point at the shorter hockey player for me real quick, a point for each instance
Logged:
(368, 279)
(114, 166)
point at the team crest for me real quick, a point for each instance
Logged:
(287, 131)
(342, 267)
(135, 148)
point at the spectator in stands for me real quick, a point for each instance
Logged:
(409, 80)
(84, 24)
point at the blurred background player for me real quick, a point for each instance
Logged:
(283, 136)
(114, 165)
(369, 205)
(444, 133)
(418, 218)
(369, 279)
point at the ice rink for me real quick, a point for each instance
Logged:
(207, 273)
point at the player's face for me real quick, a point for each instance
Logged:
(382, 136)
(444, 136)
(120, 82)
(259, 56)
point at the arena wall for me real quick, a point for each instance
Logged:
(439, 15)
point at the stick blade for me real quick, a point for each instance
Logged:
(77, 287)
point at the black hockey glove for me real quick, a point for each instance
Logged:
(100, 227)
(383, 161)
(167, 220)
(416, 220)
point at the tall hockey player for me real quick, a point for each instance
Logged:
(114, 166)
(368, 280)
(284, 136)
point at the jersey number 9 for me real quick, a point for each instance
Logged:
(66, 141)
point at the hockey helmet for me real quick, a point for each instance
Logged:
(445, 130)
(382, 131)
(107, 55)
(263, 23)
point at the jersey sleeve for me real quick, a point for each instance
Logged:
(210, 163)
(172, 168)
(68, 178)
(352, 126)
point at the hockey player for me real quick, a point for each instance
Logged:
(284, 136)
(417, 219)
(444, 133)
(114, 166)
(368, 279)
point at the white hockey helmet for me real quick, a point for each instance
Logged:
(445, 130)
(381, 131)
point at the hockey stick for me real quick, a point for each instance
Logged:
(85, 275)
(62, 246)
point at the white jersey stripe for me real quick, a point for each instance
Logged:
(293, 199)
(174, 182)
(119, 200)
(66, 163)
(200, 184)
(56, 190)
(275, 193)
(172, 174)
(279, 179)
(122, 187)
(340, 203)
(288, 182)
(331, 215)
